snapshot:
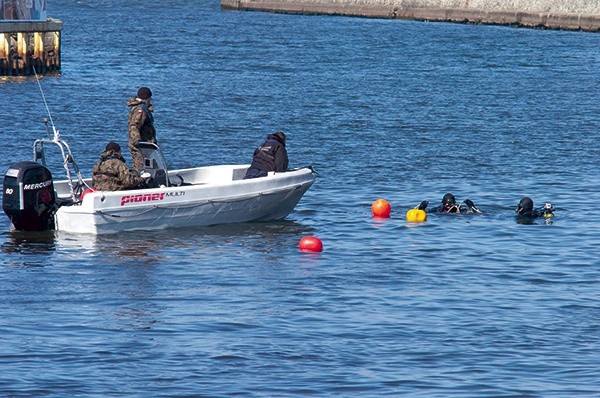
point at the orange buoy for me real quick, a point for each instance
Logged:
(416, 215)
(86, 192)
(310, 244)
(381, 208)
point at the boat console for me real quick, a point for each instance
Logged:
(154, 163)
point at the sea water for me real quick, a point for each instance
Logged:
(458, 306)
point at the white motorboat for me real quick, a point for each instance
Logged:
(198, 196)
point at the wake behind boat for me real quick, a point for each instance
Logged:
(199, 196)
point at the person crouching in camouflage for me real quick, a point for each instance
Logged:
(141, 125)
(112, 174)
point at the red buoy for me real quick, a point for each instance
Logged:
(381, 208)
(310, 244)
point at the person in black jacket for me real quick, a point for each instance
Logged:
(271, 155)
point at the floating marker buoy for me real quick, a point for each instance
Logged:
(381, 208)
(86, 192)
(416, 215)
(310, 244)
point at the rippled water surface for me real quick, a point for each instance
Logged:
(458, 306)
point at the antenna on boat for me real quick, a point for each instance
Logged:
(38, 149)
(54, 130)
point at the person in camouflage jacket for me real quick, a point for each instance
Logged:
(112, 174)
(141, 125)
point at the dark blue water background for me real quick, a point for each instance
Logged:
(458, 306)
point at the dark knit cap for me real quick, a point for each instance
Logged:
(280, 136)
(113, 146)
(144, 93)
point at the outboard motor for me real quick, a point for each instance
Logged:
(29, 199)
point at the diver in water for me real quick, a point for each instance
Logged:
(525, 210)
(449, 205)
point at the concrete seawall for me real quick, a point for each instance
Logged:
(551, 14)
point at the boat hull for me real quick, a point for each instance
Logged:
(215, 195)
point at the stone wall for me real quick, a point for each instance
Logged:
(552, 14)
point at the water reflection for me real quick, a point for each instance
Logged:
(29, 242)
(534, 221)
(135, 285)
(152, 246)
(125, 246)
(142, 316)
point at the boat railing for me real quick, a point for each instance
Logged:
(69, 163)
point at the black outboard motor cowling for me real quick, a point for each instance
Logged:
(29, 199)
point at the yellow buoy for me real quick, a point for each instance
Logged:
(416, 215)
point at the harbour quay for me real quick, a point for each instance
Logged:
(580, 15)
(29, 47)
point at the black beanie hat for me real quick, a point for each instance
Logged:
(280, 136)
(144, 93)
(113, 146)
